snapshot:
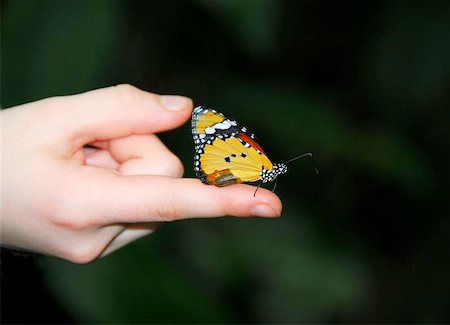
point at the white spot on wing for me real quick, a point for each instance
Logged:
(221, 126)
(210, 130)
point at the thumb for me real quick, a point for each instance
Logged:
(118, 111)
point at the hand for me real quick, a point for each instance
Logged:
(84, 175)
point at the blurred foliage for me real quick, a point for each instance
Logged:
(364, 85)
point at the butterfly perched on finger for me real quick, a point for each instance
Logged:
(227, 153)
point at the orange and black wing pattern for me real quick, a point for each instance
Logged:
(226, 153)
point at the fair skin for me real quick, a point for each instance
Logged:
(84, 175)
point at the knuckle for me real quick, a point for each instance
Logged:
(127, 93)
(69, 221)
(174, 166)
(82, 253)
(168, 209)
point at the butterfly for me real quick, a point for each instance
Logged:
(227, 153)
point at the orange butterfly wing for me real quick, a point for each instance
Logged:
(225, 153)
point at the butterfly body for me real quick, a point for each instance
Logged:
(227, 153)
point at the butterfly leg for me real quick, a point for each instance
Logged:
(259, 185)
(275, 185)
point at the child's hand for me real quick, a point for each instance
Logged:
(64, 199)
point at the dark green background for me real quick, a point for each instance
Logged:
(364, 85)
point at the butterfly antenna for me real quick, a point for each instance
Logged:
(259, 185)
(301, 156)
(309, 154)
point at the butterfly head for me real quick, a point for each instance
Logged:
(269, 175)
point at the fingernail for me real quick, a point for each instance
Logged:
(174, 103)
(263, 210)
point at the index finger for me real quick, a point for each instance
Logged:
(131, 199)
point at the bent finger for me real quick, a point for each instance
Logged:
(129, 234)
(99, 158)
(145, 155)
